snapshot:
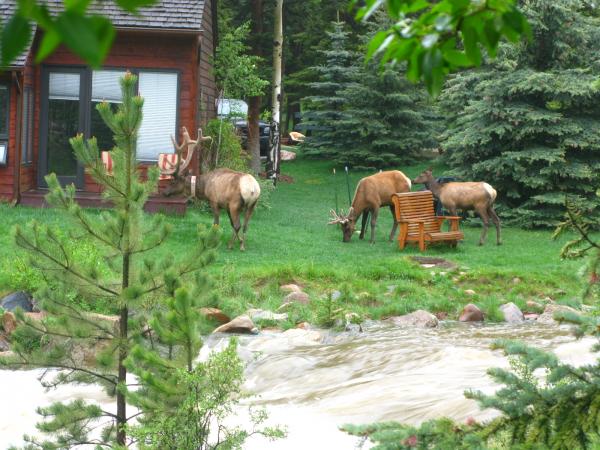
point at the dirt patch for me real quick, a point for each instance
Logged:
(282, 178)
(432, 262)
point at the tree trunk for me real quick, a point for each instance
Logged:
(277, 69)
(254, 103)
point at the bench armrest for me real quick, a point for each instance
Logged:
(448, 217)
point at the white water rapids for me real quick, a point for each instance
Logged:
(311, 387)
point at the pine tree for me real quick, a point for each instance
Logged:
(130, 277)
(324, 110)
(529, 122)
(387, 120)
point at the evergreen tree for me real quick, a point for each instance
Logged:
(324, 111)
(529, 122)
(387, 119)
(130, 277)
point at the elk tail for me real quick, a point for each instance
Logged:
(490, 191)
(249, 190)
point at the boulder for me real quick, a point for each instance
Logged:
(9, 323)
(419, 318)
(298, 297)
(531, 316)
(303, 326)
(4, 345)
(547, 316)
(300, 337)
(17, 300)
(287, 155)
(291, 288)
(241, 324)
(215, 314)
(511, 313)
(471, 313)
(260, 314)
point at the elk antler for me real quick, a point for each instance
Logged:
(338, 218)
(181, 165)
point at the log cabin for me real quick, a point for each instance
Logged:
(168, 46)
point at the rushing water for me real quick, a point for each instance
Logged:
(312, 382)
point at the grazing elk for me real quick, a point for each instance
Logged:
(372, 193)
(237, 192)
(475, 196)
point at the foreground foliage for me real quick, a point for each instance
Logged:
(132, 278)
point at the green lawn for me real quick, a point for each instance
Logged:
(291, 242)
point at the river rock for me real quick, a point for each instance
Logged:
(4, 345)
(241, 324)
(260, 314)
(17, 300)
(471, 313)
(547, 316)
(511, 313)
(470, 292)
(9, 323)
(419, 318)
(298, 297)
(299, 337)
(215, 314)
(531, 316)
(290, 288)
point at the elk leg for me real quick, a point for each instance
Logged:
(247, 216)
(374, 215)
(496, 221)
(234, 218)
(395, 226)
(486, 223)
(216, 213)
(363, 228)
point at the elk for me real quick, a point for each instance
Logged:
(467, 196)
(372, 193)
(237, 192)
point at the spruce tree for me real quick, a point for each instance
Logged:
(129, 278)
(324, 110)
(529, 122)
(387, 120)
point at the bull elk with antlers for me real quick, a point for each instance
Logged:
(237, 192)
(372, 193)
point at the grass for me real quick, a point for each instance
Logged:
(291, 242)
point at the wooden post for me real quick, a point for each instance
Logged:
(275, 151)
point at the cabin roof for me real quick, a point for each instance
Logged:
(165, 15)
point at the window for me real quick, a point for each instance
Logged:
(4, 113)
(105, 87)
(27, 127)
(159, 90)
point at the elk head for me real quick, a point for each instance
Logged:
(425, 178)
(347, 221)
(179, 170)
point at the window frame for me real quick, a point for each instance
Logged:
(27, 126)
(4, 137)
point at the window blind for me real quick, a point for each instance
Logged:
(159, 90)
(64, 86)
(106, 86)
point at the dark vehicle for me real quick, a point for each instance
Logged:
(439, 209)
(241, 127)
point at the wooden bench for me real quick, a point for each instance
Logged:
(418, 222)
